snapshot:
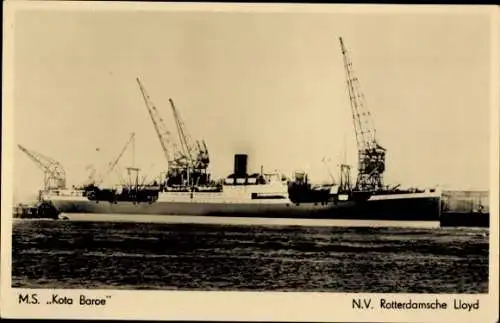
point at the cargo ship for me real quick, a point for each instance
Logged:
(261, 195)
(188, 190)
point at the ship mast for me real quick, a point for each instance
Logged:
(136, 179)
(371, 156)
(345, 172)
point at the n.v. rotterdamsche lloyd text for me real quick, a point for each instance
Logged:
(389, 304)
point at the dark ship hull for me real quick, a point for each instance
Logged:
(394, 207)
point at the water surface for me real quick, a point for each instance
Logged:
(178, 256)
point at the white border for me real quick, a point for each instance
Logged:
(238, 306)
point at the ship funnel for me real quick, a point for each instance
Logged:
(240, 165)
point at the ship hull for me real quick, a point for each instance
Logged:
(396, 208)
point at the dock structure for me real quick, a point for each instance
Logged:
(465, 208)
(39, 210)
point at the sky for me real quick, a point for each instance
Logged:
(271, 85)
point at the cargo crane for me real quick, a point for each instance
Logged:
(203, 158)
(168, 146)
(92, 182)
(195, 154)
(371, 156)
(177, 174)
(54, 174)
(131, 191)
(115, 162)
(184, 138)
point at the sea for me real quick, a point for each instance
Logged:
(146, 255)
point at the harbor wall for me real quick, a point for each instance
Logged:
(465, 201)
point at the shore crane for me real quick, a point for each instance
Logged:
(196, 154)
(186, 165)
(177, 162)
(371, 156)
(54, 174)
(167, 143)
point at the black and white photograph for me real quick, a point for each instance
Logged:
(260, 149)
